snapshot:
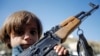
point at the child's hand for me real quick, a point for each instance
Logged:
(62, 51)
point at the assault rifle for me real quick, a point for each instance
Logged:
(57, 35)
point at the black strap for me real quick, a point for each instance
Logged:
(82, 42)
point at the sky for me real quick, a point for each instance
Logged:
(53, 12)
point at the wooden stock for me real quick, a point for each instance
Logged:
(67, 26)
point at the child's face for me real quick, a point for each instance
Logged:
(26, 36)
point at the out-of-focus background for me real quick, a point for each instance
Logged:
(51, 13)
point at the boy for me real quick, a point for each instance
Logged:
(21, 30)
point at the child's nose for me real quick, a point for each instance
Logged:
(27, 36)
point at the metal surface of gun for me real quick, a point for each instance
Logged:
(58, 34)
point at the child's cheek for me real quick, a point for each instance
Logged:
(15, 41)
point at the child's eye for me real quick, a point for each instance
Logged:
(33, 32)
(19, 32)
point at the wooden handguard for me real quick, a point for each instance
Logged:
(67, 26)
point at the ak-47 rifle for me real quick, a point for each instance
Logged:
(58, 34)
